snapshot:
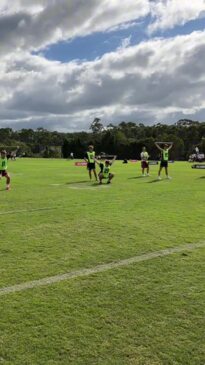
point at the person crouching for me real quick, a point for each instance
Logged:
(105, 170)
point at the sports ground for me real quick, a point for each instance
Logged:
(102, 275)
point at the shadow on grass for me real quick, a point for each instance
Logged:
(77, 182)
(100, 185)
(96, 183)
(201, 177)
(136, 177)
(83, 184)
(154, 181)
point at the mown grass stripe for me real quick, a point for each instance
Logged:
(98, 269)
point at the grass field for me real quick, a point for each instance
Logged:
(54, 221)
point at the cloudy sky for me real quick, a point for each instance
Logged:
(65, 62)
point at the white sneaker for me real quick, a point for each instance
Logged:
(159, 178)
(169, 177)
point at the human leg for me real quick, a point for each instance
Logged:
(110, 178)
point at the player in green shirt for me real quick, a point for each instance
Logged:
(164, 159)
(3, 169)
(90, 159)
(105, 170)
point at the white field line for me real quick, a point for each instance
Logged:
(98, 269)
(27, 210)
(84, 188)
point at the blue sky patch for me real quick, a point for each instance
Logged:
(96, 45)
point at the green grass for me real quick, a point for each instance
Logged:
(150, 313)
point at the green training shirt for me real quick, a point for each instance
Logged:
(3, 164)
(165, 155)
(91, 156)
(106, 171)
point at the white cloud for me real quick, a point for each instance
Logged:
(151, 81)
(155, 80)
(125, 42)
(32, 25)
(35, 24)
(168, 13)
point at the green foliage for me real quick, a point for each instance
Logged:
(96, 126)
(52, 152)
(66, 148)
(125, 139)
(202, 145)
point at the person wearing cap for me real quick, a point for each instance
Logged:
(164, 159)
(90, 159)
(105, 170)
(3, 169)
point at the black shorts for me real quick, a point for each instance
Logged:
(164, 164)
(91, 166)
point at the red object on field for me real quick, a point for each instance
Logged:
(133, 160)
(80, 163)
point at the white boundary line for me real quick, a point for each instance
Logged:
(97, 269)
(27, 210)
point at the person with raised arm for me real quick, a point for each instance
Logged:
(164, 158)
(105, 170)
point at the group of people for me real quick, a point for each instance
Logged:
(164, 159)
(105, 167)
(105, 173)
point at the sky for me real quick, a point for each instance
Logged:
(65, 62)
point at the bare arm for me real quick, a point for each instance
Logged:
(98, 162)
(113, 160)
(159, 148)
(170, 146)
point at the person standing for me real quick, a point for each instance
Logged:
(90, 159)
(197, 150)
(144, 161)
(164, 159)
(3, 169)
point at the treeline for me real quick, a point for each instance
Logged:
(125, 140)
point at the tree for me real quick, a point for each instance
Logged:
(5, 134)
(66, 148)
(202, 145)
(125, 139)
(96, 126)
